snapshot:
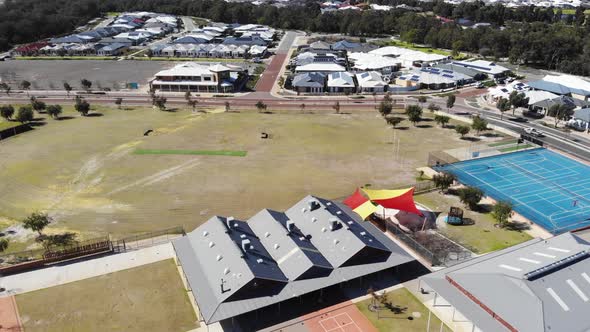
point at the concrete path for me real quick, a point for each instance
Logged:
(66, 273)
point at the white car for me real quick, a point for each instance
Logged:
(534, 132)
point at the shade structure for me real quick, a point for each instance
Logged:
(360, 204)
(400, 199)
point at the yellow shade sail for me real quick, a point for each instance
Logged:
(385, 194)
(366, 209)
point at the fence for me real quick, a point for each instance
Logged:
(148, 239)
(442, 251)
(9, 132)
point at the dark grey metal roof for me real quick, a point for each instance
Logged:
(312, 80)
(327, 244)
(540, 285)
(583, 114)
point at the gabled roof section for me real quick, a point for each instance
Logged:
(333, 231)
(287, 244)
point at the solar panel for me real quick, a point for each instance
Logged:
(449, 76)
(447, 71)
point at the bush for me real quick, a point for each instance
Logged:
(471, 196)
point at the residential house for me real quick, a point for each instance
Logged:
(341, 82)
(321, 67)
(113, 49)
(371, 81)
(196, 77)
(250, 41)
(309, 82)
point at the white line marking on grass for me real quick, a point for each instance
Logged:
(558, 299)
(577, 290)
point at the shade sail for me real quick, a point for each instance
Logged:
(360, 204)
(401, 199)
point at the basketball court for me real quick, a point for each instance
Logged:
(547, 188)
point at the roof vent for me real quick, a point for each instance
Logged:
(303, 210)
(363, 233)
(290, 226)
(338, 212)
(211, 244)
(228, 222)
(336, 241)
(259, 261)
(267, 234)
(243, 236)
(276, 246)
(329, 204)
(219, 257)
(314, 219)
(246, 245)
(205, 233)
(333, 224)
(226, 271)
(313, 204)
(350, 222)
(302, 238)
(323, 229)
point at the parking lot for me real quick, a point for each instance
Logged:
(51, 74)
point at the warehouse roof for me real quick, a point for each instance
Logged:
(234, 267)
(539, 285)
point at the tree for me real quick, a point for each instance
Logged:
(37, 105)
(336, 107)
(471, 196)
(385, 108)
(422, 99)
(517, 100)
(193, 103)
(3, 244)
(6, 111)
(227, 106)
(374, 94)
(502, 212)
(57, 240)
(54, 111)
(502, 105)
(5, 87)
(442, 120)
(387, 97)
(187, 96)
(24, 85)
(414, 113)
(25, 114)
(37, 222)
(433, 107)
(443, 180)
(159, 102)
(118, 102)
(451, 102)
(260, 106)
(281, 82)
(462, 130)
(479, 124)
(302, 108)
(68, 88)
(559, 112)
(82, 106)
(86, 84)
(393, 121)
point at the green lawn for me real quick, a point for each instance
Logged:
(147, 298)
(570, 11)
(480, 237)
(194, 152)
(516, 148)
(504, 142)
(397, 320)
(8, 124)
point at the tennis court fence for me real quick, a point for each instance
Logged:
(476, 151)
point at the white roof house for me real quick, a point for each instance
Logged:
(370, 80)
(320, 67)
(340, 80)
(369, 61)
(569, 81)
(536, 96)
(408, 57)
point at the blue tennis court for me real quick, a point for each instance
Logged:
(547, 188)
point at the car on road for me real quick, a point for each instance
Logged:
(534, 132)
(518, 119)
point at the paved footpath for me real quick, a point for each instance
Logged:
(66, 273)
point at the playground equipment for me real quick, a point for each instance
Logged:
(455, 216)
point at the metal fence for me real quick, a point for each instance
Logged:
(435, 247)
(148, 239)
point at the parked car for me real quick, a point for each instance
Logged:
(534, 132)
(480, 85)
(518, 119)
(576, 125)
(257, 60)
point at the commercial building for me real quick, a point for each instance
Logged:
(486, 67)
(433, 78)
(410, 58)
(236, 267)
(374, 62)
(196, 77)
(566, 85)
(539, 285)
